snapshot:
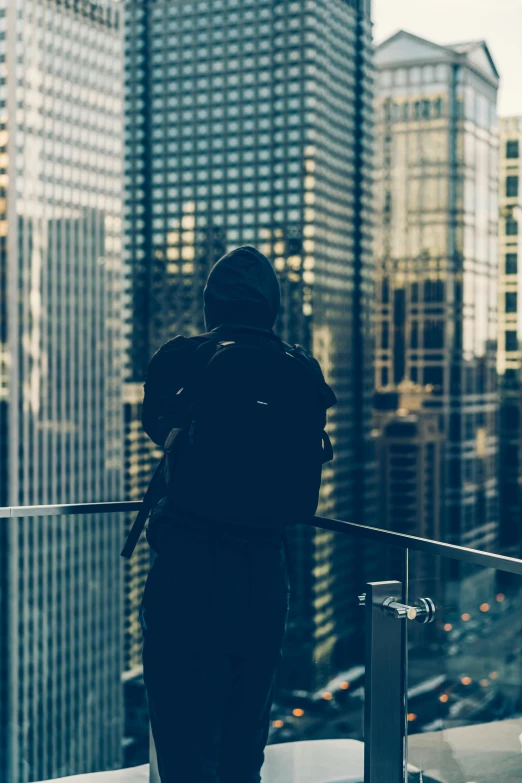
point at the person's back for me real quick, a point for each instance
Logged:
(216, 600)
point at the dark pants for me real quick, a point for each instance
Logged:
(213, 618)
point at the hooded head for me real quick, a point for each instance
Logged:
(243, 288)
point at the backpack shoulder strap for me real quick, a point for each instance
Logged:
(155, 492)
(307, 360)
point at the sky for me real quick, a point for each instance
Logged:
(498, 22)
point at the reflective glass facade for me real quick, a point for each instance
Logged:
(510, 334)
(251, 123)
(436, 255)
(60, 384)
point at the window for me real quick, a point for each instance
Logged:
(511, 227)
(434, 334)
(511, 263)
(434, 376)
(511, 341)
(433, 291)
(511, 302)
(414, 335)
(385, 335)
(511, 187)
(385, 291)
(512, 149)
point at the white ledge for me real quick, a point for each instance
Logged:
(483, 752)
(315, 761)
(131, 775)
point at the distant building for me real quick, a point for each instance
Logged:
(409, 454)
(510, 335)
(60, 386)
(409, 447)
(436, 257)
(251, 123)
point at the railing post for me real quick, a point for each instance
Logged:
(384, 713)
(405, 577)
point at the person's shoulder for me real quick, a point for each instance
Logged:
(172, 357)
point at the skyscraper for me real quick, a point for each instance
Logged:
(251, 123)
(509, 336)
(60, 382)
(436, 256)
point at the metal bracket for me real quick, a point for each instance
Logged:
(423, 611)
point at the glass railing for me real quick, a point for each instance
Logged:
(433, 688)
(464, 673)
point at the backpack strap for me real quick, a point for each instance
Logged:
(326, 392)
(154, 493)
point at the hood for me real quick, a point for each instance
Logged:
(243, 288)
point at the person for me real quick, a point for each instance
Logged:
(215, 604)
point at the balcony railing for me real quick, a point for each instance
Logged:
(442, 694)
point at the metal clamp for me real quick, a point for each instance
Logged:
(425, 611)
(422, 612)
(398, 611)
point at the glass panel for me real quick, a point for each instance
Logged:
(69, 646)
(320, 688)
(465, 673)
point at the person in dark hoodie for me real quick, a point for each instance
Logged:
(215, 604)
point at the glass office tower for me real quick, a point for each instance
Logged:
(250, 122)
(60, 385)
(510, 336)
(436, 256)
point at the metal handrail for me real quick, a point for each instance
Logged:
(437, 548)
(69, 509)
(389, 537)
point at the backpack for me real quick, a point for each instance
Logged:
(252, 448)
(253, 442)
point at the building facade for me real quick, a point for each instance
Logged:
(409, 454)
(60, 385)
(251, 123)
(409, 448)
(510, 336)
(436, 256)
